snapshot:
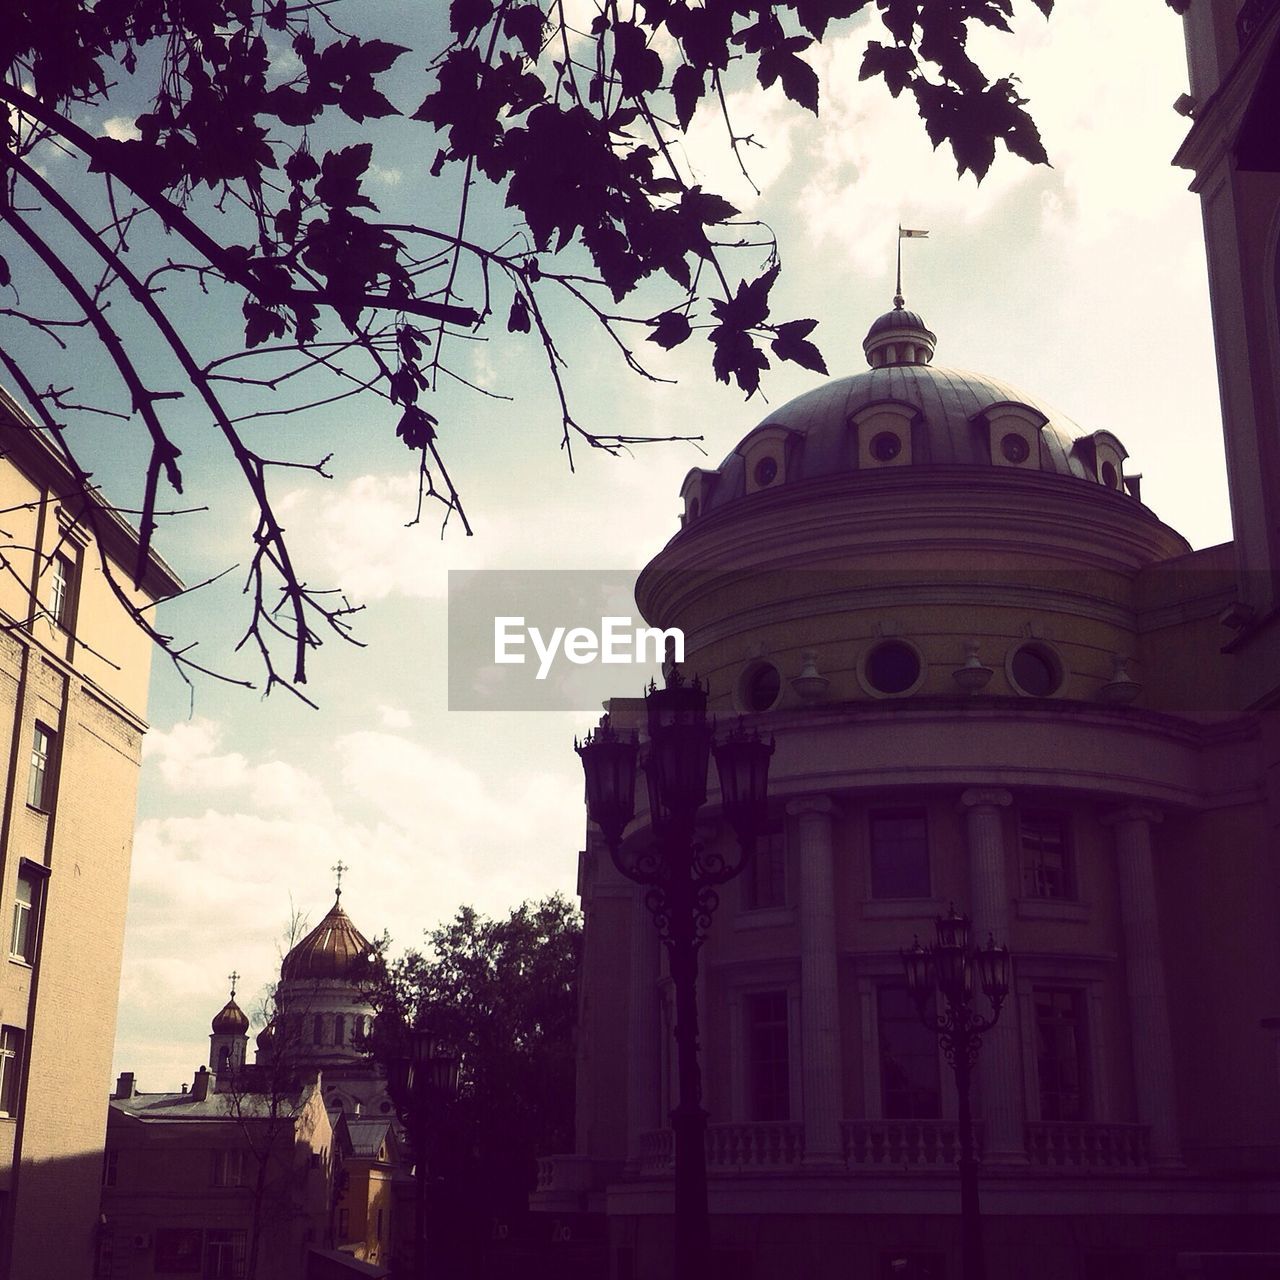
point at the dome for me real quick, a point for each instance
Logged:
(266, 1037)
(330, 950)
(230, 1020)
(905, 411)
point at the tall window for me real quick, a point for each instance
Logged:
(61, 589)
(910, 1087)
(339, 1029)
(764, 882)
(1046, 856)
(26, 912)
(1060, 1054)
(899, 854)
(317, 1030)
(40, 779)
(10, 1069)
(110, 1168)
(768, 1068)
(228, 1167)
(224, 1253)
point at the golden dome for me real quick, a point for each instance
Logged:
(230, 1020)
(330, 950)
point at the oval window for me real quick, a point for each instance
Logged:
(1036, 671)
(892, 667)
(1015, 448)
(766, 472)
(1110, 476)
(885, 447)
(761, 688)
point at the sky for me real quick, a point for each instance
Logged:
(1083, 283)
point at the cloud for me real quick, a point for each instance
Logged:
(214, 882)
(394, 718)
(121, 128)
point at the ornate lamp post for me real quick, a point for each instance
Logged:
(947, 970)
(681, 875)
(421, 1083)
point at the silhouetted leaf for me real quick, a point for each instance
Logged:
(670, 329)
(686, 92)
(790, 345)
(518, 318)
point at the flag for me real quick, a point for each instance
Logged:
(905, 233)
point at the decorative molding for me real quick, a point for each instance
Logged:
(1136, 812)
(802, 805)
(985, 797)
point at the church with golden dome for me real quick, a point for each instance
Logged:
(311, 1110)
(997, 682)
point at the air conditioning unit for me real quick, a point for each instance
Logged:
(142, 1240)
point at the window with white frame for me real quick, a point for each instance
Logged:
(1045, 850)
(1061, 1061)
(764, 880)
(26, 914)
(910, 1081)
(62, 589)
(10, 1069)
(44, 743)
(228, 1167)
(768, 1074)
(224, 1254)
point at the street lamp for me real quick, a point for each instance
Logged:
(421, 1083)
(681, 875)
(948, 969)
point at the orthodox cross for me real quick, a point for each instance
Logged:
(338, 868)
(233, 977)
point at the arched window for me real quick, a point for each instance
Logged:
(339, 1029)
(224, 1060)
(317, 1030)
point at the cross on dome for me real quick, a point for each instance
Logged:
(338, 868)
(233, 977)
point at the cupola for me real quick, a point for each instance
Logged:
(899, 337)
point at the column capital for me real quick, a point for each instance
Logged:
(1136, 812)
(985, 797)
(810, 804)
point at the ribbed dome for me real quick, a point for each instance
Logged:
(899, 337)
(230, 1020)
(266, 1037)
(330, 950)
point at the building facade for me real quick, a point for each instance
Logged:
(74, 670)
(997, 680)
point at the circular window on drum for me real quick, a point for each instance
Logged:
(1015, 448)
(885, 446)
(760, 687)
(1035, 670)
(893, 669)
(766, 472)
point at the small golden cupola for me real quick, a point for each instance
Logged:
(229, 1040)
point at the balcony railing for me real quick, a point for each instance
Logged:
(898, 1145)
(752, 1145)
(1078, 1145)
(929, 1144)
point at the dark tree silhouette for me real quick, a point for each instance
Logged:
(505, 993)
(232, 186)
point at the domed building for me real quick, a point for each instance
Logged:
(996, 680)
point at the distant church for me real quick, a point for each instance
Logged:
(182, 1169)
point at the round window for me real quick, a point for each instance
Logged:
(766, 471)
(885, 447)
(892, 667)
(1110, 476)
(1015, 448)
(761, 688)
(1036, 671)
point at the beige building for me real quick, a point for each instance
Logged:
(996, 679)
(73, 694)
(218, 1181)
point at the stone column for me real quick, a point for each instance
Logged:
(999, 1073)
(643, 1032)
(822, 1078)
(1144, 967)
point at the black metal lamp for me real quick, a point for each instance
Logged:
(918, 966)
(679, 749)
(445, 1066)
(742, 761)
(993, 971)
(609, 765)
(399, 1073)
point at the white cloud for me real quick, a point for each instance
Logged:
(394, 718)
(386, 177)
(121, 128)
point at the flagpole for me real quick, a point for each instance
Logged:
(898, 299)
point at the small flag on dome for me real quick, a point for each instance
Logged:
(905, 233)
